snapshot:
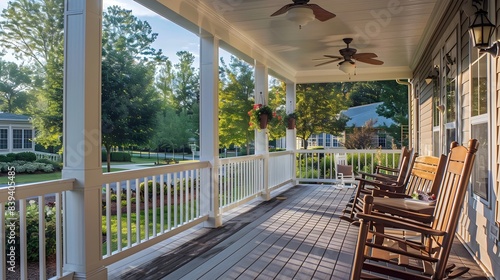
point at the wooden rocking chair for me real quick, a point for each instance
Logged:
(399, 257)
(425, 177)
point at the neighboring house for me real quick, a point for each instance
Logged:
(358, 115)
(16, 133)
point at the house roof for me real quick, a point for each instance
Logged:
(13, 117)
(359, 115)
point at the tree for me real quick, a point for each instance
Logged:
(172, 129)
(318, 106)
(186, 87)
(235, 100)
(395, 107)
(277, 100)
(14, 82)
(129, 100)
(33, 31)
(361, 137)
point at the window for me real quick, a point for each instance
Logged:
(479, 127)
(328, 142)
(3, 139)
(17, 139)
(22, 138)
(382, 140)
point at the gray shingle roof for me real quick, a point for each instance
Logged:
(361, 114)
(13, 117)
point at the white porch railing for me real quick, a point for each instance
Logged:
(319, 165)
(143, 207)
(24, 215)
(281, 169)
(240, 179)
(49, 156)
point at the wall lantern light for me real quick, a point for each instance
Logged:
(481, 30)
(433, 75)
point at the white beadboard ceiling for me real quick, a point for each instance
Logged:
(396, 30)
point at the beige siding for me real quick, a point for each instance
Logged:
(426, 127)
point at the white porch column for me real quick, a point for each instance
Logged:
(82, 138)
(261, 138)
(291, 101)
(291, 134)
(209, 127)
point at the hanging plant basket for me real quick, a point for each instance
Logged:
(291, 123)
(263, 121)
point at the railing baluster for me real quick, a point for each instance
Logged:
(175, 200)
(146, 209)
(59, 237)
(3, 256)
(137, 212)
(169, 201)
(181, 197)
(162, 203)
(41, 238)
(108, 220)
(154, 206)
(193, 201)
(118, 216)
(129, 215)
(23, 239)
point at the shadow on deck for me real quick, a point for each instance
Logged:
(300, 237)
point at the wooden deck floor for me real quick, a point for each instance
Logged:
(300, 237)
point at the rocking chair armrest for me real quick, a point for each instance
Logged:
(384, 193)
(375, 176)
(413, 217)
(395, 222)
(385, 168)
(378, 184)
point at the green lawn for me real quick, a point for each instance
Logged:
(142, 219)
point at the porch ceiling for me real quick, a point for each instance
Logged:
(396, 30)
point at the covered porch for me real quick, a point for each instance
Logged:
(94, 239)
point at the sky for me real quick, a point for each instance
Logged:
(171, 37)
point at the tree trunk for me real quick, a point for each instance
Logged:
(108, 158)
(304, 143)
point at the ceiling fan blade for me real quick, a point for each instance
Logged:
(328, 62)
(370, 61)
(333, 56)
(364, 55)
(320, 13)
(283, 10)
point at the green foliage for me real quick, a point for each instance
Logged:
(32, 31)
(361, 137)
(26, 156)
(4, 158)
(14, 82)
(32, 226)
(129, 100)
(318, 106)
(56, 165)
(236, 89)
(27, 167)
(118, 156)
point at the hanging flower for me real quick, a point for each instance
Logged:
(256, 112)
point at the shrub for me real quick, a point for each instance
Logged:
(150, 189)
(11, 156)
(26, 156)
(32, 231)
(55, 165)
(4, 158)
(117, 156)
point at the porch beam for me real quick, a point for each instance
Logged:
(209, 126)
(82, 138)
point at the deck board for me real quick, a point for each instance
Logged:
(301, 237)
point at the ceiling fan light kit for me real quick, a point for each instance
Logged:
(300, 15)
(347, 67)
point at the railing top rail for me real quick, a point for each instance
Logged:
(280, 153)
(240, 159)
(153, 171)
(350, 151)
(35, 189)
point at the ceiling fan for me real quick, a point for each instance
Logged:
(302, 12)
(349, 56)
